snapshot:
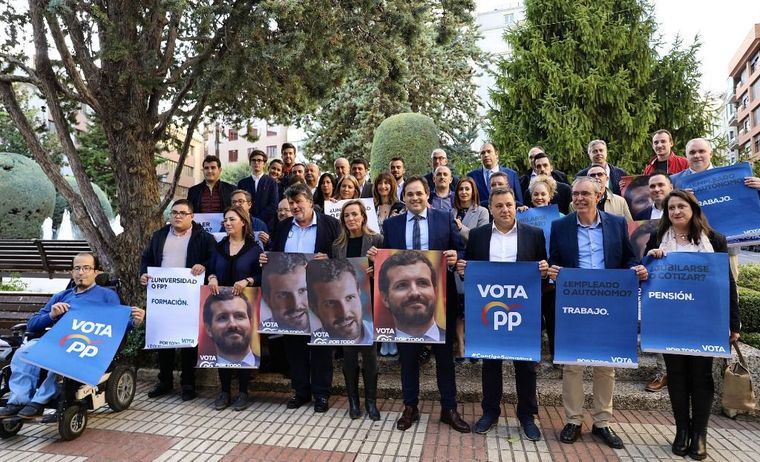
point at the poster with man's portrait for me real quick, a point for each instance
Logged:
(340, 302)
(228, 333)
(284, 300)
(639, 233)
(410, 296)
(635, 191)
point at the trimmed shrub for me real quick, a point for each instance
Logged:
(235, 172)
(749, 276)
(409, 135)
(749, 309)
(27, 197)
(61, 204)
(751, 339)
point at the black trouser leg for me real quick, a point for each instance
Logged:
(702, 391)
(321, 371)
(188, 358)
(679, 389)
(492, 383)
(244, 376)
(297, 353)
(166, 366)
(351, 375)
(548, 299)
(525, 382)
(225, 379)
(369, 371)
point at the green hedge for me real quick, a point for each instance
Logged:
(410, 135)
(749, 275)
(749, 309)
(752, 339)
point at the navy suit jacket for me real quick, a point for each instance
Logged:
(442, 232)
(531, 243)
(195, 192)
(328, 229)
(480, 182)
(265, 198)
(563, 244)
(644, 214)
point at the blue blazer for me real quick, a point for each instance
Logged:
(480, 182)
(563, 243)
(442, 232)
(328, 229)
(265, 198)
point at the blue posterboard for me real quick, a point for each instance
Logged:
(502, 317)
(685, 305)
(82, 344)
(596, 317)
(540, 217)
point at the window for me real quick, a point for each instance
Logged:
(747, 148)
(756, 90)
(745, 101)
(271, 131)
(757, 143)
(756, 117)
(232, 134)
(744, 126)
(271, 151)
(253, 132)
(232, 155)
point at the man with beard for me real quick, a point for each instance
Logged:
(335, 298)
(284, 291)
(227, 320)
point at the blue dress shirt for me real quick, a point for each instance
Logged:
(591, 245)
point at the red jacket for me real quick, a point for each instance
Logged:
(675, 164)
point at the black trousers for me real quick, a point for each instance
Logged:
(369, 360)
(525, 382)
(188, 357)
(691, 389)
(311, 367)
(225, 377)
(548, 299)
(444, 372)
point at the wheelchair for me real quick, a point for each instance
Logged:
(73, 401)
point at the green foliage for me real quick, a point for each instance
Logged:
(751, 339)
(236, 172)
(14, 284)
(134, 348)
(26, 197)
(62, 205)
(585, 69)
(95, 155)
(410, 135)
(749, 309)
(749, 275)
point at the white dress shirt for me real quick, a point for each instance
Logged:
(503, 245)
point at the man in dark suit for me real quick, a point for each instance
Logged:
(212, 195)
(559, 176)
(505, 240)
(592, 239)
(597, 153)
(439, 158)
(261, 187)
(360, 170)
(542, 165)
(309, 231)
(422, 228)
(489, 158)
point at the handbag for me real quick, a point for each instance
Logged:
(737, 385)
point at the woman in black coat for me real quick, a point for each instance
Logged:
(683, 228)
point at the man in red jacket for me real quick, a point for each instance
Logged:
(665, 159)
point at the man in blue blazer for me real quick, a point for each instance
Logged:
(592, 239)
(422, 228)
(597, 154)
(309, 231)
(262, 187)
(507, 241)
(489, 158)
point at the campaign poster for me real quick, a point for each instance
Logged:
(502, 310)
(732, 208)
(639, 233)
(340, 302)
(540, 217)
(410, 296)
(284, 295)
(596, 317)
(685, 305)
(171, 314)
(228, 329)
(334, 208)
(82, 344)
(635, 191)
(210, 222)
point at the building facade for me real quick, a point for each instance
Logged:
(744, 76)
(232, 144)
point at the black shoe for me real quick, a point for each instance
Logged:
(31, 411)
(321, 404)
(372, 412)
(530, 429)
(160, 389)
(188, 394)
(570, 433)
(609, 436)
(484, 424)
(241, 402)
(9, 410)
(680, 445)
(296, 401)
(222, 401)
(354, 409)
(697, 447)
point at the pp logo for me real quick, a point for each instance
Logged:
(503, 317)
(81, 345)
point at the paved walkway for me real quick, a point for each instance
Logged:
(168, 430)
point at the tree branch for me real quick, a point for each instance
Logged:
(79, 41)
(8, 78)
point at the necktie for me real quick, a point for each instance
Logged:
(488, 180)
(416, 234)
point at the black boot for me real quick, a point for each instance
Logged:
(698, 445)
(680, 445)
(370, 394)
(352, 391)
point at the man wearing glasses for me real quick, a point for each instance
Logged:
(609, 202)
(180, 244)
(438, 158)
(26, 400)
(242, 198)
(262, 187)
(559, 176)
(597, 154)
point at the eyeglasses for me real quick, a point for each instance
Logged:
(241, 202)
(582, 193)
(439, 158)
(257, 159)
(83, 269)
(597, 175)
(175, 213)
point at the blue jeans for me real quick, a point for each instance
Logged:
(24, 378)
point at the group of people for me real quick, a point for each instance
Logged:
(468, 219)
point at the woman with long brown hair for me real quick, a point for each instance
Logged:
(386, 201)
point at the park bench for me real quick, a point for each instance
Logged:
(39, 258)
(18, 307)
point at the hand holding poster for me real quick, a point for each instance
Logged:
(410, 296)
(82, 344)
(172, 308)
(228, 334)
(502, 311)
(596, 317)
(340, 308)
(333, 209)
(285, 303)
(685, 305)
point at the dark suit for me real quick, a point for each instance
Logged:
(558, 176)
(311, 368)
(265, 197)
(531, 246)
(442, 235)
(644, 214)
(615, 175)
(618, 253)
(366, 191)
(195, 192)
(484, 189)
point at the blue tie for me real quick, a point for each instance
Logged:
(416, 233)
(488, 180)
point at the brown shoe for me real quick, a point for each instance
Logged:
(410, 415)
(453, 419)
(659, 382)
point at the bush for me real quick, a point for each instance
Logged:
(749, 275)
(749, 309)
(752, 339)
(14, 284)
(409, 135)
(235, 172)
(27, 197)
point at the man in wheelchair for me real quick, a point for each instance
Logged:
(26, 400)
